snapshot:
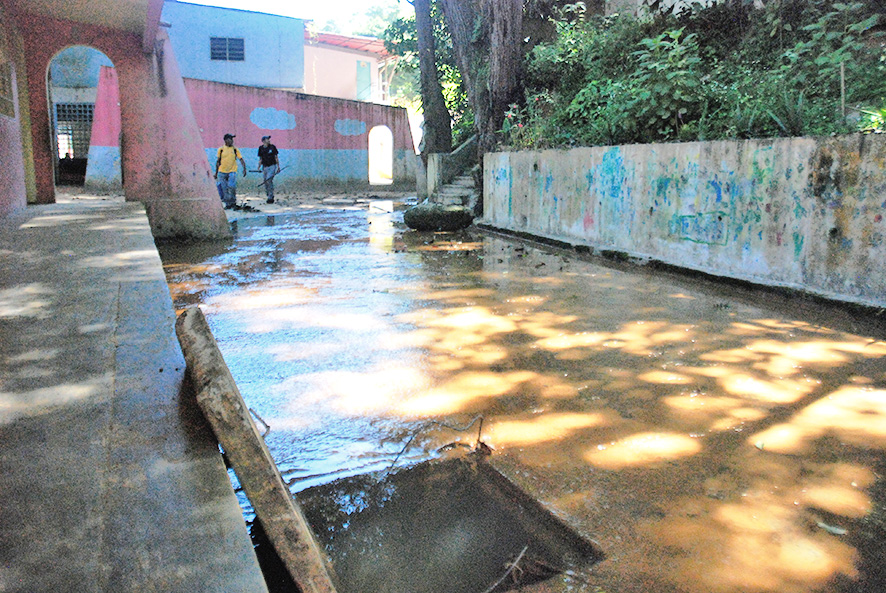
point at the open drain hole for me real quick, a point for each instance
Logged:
(442, 526)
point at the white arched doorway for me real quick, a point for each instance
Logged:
(381, 156)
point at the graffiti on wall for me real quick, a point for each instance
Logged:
(710, 228)
(792, 211)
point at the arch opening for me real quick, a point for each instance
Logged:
(381, 156)
(84, 111)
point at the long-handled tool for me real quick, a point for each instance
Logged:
(272, 176)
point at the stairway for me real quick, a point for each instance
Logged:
(460, 192)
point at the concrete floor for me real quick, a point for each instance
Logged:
(109, 478)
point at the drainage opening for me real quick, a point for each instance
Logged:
(442, 526)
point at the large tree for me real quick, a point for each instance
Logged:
(437, 130)
(487, 38)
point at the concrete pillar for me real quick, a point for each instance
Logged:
(164, 165)
(436, 163)
(103, 171)
(12, 171)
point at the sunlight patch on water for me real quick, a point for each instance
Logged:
(548, 427)
(643, 449)
(854, 414)
(464, 390)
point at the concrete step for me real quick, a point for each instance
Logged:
(450, 191)
(451, 201)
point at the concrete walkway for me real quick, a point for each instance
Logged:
(110, 481)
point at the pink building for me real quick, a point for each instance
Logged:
(162, 161)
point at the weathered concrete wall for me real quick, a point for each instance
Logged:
(324, 143)
(802, 213)
(12, 170)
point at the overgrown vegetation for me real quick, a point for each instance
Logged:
(400, 39)
(792, 68)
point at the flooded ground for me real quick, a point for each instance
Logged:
(706, 438)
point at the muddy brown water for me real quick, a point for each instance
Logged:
(708, 439)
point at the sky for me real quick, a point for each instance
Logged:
(343, 12)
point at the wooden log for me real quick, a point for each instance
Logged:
(224, 408)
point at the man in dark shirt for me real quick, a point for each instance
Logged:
(270, 165)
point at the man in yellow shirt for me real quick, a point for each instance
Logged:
(226, 170)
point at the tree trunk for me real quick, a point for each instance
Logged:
(437, 128)
(486, 35)
(505, 63)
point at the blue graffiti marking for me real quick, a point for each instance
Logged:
(798, 245)
(718, 189)
(350, 127)
(709, 228)
(799, 210)
(612, 167)
(268, 118)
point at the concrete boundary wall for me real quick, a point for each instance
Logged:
(801, 213)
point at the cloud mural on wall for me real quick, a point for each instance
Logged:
(350, 127)
(268, 118)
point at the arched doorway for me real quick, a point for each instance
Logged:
(381, 156)
(73, 84)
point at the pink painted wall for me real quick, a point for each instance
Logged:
(222, 108)
(163, 161)
(323, 142)
(106, 125)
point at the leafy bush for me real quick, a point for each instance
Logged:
(794, 67)
(667, 78)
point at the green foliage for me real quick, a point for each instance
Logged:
(601, 113)
(873, 121)
(401, 40)
(794, 67)
(531, 126)
(668, 81)
(375, 18)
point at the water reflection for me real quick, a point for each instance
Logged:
(700, 435)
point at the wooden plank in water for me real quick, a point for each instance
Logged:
(224, 408)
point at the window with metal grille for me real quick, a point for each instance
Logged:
(73, 127)
(226, 48)
(7, 104)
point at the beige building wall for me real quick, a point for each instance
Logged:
(332, 72)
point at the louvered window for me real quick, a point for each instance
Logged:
(228, 49)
